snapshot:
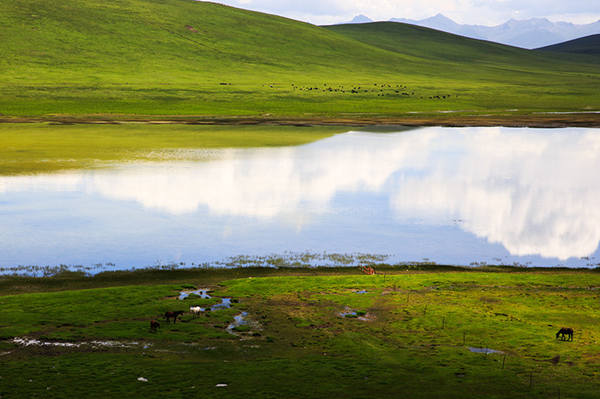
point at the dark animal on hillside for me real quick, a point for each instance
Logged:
(173, 315)
(565, 334)
(154, 325)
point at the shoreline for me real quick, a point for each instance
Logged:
(17, 282)
(547, 120)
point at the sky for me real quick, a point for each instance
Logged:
(480, 12)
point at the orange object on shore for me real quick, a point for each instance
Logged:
(367, 270)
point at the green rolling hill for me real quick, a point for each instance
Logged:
(589, 45)
(183, 57)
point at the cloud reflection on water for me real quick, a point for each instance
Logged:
(534, 191)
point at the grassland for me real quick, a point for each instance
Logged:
(36, 148)
(177, 58)
(413, 340)
(589, 45)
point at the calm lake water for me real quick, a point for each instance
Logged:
(452, 196)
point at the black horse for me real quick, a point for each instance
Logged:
(565, 334)
(173, 315)
(154, 325)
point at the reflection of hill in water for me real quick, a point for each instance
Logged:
(533, 191)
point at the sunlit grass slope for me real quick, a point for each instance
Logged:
(184, 57)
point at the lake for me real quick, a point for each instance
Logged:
(447, 195)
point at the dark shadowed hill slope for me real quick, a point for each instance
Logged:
(589, 45)
(438, 46)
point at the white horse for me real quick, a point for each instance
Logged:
(196, 310)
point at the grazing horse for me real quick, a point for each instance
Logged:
(196, 310)
(565, 334)
(173, 315)
(154, 325)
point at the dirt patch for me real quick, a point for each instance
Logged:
(191, 28)
(489, 300)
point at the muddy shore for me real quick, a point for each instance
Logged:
(549, 120)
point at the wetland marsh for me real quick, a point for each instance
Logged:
(419, 334)
(270, 325)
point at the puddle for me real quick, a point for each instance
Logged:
(225, 304)
(97, 344)
(361, 315)
(202, 293)
(487, 351)
(113, 344)
(243, 320)
(239, 320)
(30, 342)
(36, 342)
(361, 292)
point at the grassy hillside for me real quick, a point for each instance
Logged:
(184, 57)
(441, 47)
(589, 45)
(413, 335)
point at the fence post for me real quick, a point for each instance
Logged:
(530, 379)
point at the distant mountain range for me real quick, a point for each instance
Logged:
(529, 33)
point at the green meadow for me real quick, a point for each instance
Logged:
(95, 59)
(412, 336)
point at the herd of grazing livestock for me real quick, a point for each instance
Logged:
(381, 89)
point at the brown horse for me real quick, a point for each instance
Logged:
(565, 334)
(154, 325)
(173, 315)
